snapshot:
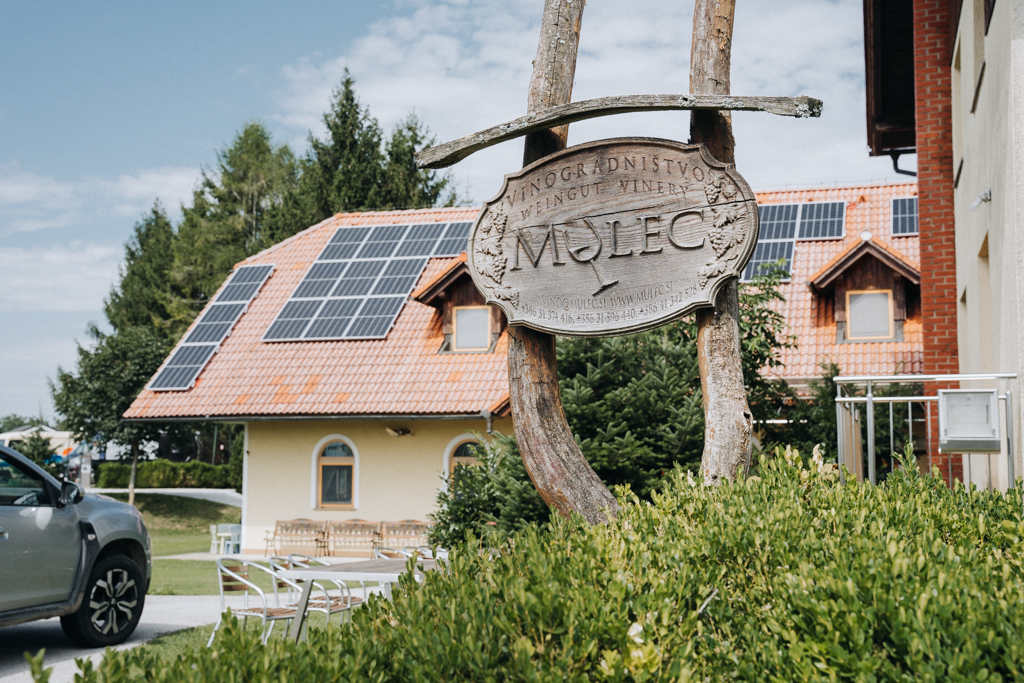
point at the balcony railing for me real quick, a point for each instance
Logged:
(897, 409)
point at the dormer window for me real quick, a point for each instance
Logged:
(472, 328)
(869, 315)
(468, 324)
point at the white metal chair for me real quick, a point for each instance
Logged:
(427, 552)
(380, 553)
(234, 576)
(327, 604)
(300, 560)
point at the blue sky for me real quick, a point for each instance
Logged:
(110, 106)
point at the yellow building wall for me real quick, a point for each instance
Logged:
(396, 477)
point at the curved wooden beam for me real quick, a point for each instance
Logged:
(449, 153)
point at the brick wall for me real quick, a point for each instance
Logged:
(932, 75)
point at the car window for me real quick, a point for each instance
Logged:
(20, 486)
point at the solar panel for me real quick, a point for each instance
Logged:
(775, 240)
(822, 220)
(454, 242)
(195, 351)
(376, 317)
(382, 241)
(358, 284)
(183, 367)
(904, 216)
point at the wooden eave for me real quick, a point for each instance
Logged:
(503, 408)
(831, 271)
(429, 292)
(889, 71)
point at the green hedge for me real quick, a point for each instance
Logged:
(790, 577)
(166, 474)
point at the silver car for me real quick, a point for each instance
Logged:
(83, 557)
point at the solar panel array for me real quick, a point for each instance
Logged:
(782, 225)
(358, 284)
(195, 351)
(904, 216)
(775, 241)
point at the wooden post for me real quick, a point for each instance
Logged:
(727, 419)
(135, 466)
(554, 462)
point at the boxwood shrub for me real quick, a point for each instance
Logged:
(792, 576)
(166, 474)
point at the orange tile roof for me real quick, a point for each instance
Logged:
(400, 375)
(404, 375)
(868, 208)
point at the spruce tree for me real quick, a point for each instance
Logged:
(353, 169)
(140, 298)
(228, 219)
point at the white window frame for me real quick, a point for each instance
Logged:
(449, 450)
(314, 488)
(892, 218)
(849, 322)
(455, 329)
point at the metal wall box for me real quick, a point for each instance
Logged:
(968, 421)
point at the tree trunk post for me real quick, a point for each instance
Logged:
(552, 458)
(728, 422)
(135, 464)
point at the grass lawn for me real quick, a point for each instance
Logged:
(194, 577)
(180, 525)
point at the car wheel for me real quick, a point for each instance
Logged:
(112, 604)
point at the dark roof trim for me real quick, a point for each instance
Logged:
(865, 248)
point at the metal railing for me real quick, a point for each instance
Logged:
(849, 420)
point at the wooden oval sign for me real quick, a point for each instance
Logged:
(613, 236)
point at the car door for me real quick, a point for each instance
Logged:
(39, 542)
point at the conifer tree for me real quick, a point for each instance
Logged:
(353, 169)
(140, 298)
(228, 219)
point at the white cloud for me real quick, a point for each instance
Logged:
(75, 277)
(30, 202)
(465, 66)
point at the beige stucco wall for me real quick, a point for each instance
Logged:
(989, 141)
(396, 477)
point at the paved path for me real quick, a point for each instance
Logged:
(222, 496)
(162, 614)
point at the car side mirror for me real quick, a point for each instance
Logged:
(70, 493)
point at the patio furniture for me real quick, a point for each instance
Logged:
(326, 603)
(229, 538)
(351, 536)
(214, 546)
(382, 553)
(408, 532)
(428, 552)
(385, 572)
(299, 535)
(305, 562)
(234, 576)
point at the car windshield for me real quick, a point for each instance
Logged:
(20, 487)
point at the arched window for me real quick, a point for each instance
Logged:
(336, 475)
(466, 453)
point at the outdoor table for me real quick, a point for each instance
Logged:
(222, 538)
(384, 572)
